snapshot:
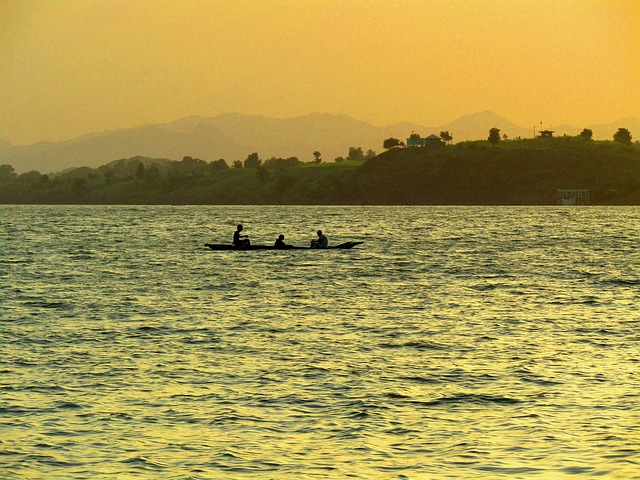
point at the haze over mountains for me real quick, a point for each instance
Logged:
(234, 136)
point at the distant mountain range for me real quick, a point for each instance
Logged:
(234, 136)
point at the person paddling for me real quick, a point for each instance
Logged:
(240, 241)
(280, 243)
(321, 242)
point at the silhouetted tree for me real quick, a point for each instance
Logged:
(7, 173)
(218, 165)
(280, 163)
(237, 164)
(31, 177)
(317, 157)
(494, 135)
(622, 136)
(369, 154)
(252, 161)
(339, 159)
(190, 165)
(355, 153)
(587, 134)
(446, 136)
(391, 142)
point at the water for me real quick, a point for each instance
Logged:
(455, 343)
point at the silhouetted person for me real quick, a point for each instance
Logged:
(280, 243)
(321, 242)
(240, 241)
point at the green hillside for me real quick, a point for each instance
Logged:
(513, 172)
(524, 172)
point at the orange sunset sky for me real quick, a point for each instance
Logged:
(70, 67)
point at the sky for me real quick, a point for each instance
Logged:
(72, 67)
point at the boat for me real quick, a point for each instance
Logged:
(228, 246)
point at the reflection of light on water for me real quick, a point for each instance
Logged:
(454, 342)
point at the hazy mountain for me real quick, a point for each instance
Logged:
(234, 136)
(606, 131)
(96, 150)
(477, 125)
(228, 136)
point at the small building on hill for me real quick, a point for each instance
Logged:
(546, 134)
(432, 141)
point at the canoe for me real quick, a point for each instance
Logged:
(226, 246)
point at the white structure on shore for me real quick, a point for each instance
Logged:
(573, 197)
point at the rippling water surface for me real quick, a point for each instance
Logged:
(455, 343)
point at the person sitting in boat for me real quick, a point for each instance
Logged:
(280, 243)
(321, 242)
(240, 241)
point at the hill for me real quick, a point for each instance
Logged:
(526, 172)
(234, 136)
(520, 172)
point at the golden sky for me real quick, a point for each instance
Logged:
(70, 67)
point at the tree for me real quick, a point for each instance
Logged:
(317, 157)
(31, 177)
(494, 135)
(355, 153)
(622, 136)
(218, 165)
(587, 134)
(190, 165)
(369, 154)
(391, 142)
(7, 173)
(281, 163)
(252, 161)
(339, 159)
(446, 136)
(237, 164)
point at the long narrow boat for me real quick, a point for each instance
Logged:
(226, 246)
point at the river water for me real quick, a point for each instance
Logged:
(456, 342)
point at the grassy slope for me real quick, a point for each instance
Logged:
(512, 173)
